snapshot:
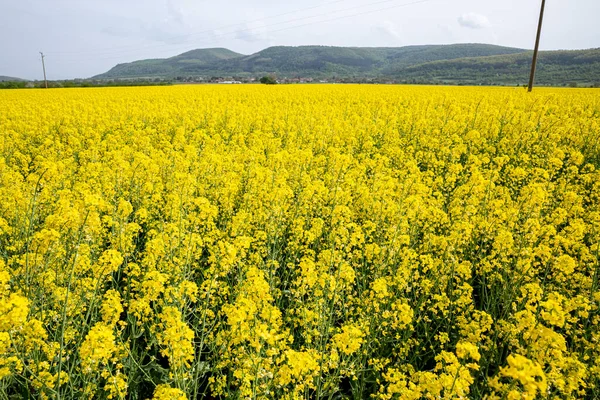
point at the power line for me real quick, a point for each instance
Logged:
(180, 48)
(126, 47)
(170, 46)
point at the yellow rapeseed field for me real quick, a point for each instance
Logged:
(288, 242)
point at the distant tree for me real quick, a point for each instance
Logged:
(268, 80)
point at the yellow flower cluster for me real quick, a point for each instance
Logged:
(165, 392)
(318, 241)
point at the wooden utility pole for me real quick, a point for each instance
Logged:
(537, 47)
(44, 67)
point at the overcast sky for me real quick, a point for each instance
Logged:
(82, 38)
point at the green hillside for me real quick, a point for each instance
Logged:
(580, 67)
(456, 64)
(313, 61)
(170, 67)
(4, 78)
(349, 61)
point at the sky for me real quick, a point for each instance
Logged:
(82, 38)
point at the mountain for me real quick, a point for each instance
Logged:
(351, 61)
(316, 61)
(170, 67)
(554, 67)
(457, 63)
(10, 79)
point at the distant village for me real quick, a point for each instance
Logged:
(196, 80)
(233, 80)
(281, 80)
(228, 80)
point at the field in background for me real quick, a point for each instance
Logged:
(327, 241)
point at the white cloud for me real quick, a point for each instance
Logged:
(175, 12)
(85, 38)
(474, 21)
(171, 28)
(253, 32)
(389, 29)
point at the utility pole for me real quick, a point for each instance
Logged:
(44, 67)
(537, 47)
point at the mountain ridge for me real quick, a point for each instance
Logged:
(297, 60)
(4, 78)
(470, 63)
